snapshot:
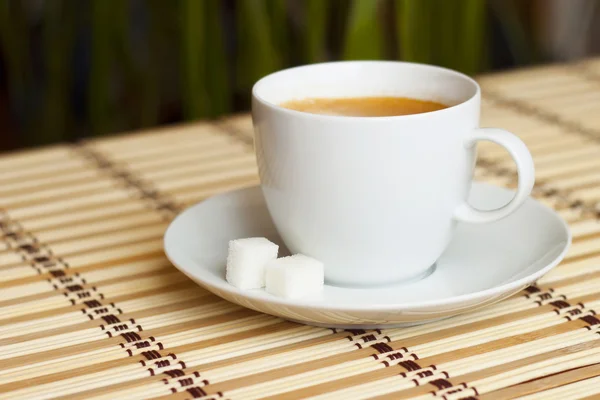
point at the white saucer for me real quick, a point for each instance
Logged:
(484, 263)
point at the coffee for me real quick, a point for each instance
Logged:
(363, 106)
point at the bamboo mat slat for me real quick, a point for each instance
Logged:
(90, 308)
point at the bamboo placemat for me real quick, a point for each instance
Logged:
(91, 309)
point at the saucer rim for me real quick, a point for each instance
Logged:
(511, 286)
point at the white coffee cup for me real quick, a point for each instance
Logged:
(376, 199)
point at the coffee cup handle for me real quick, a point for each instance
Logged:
(521, 156)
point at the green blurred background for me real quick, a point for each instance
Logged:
(78, 68)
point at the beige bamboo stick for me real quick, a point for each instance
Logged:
(538, 146)
(536, 86)
(157, 136)
(149, 149)
(553, 339)
(576, 270)
(573, 119)
(567, 168)
(192, 195)
(58, 301)
(483, 337)
(116, 239)
(583, 249)
(590, 123)
(584, 389)
(582, 181)
(43, 283)
(574, 106)
(517, 377)
(41, 155)
(33, 286)
(19, 332)
(92, 260)
(572, 215)
(25, 159)
(49, 195)
(11, 257)
(101, 227)
(211, 179)
(579, 119)
(163, 314)
(51, 373)
(131, 299)
(84, 285)
(108, 287)
(17, 271)
(136, 304)
(73, 178)
(98, 201)
(567, 156)
(567, 286)
(43, 170)
(536, 134)
(372, 388)
(527, 129)
(212, 304)
(151, 264)
(528, 73)
(589, 195)
(184, 156)
(212, 334)
(103, 256)
(231, 162)
(571, 103)
(498, 114)
(85, 215)
(581, 353)
(584, 229)
(537, 149)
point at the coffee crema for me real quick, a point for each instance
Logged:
(363, 106)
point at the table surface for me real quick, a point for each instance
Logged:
(90, 307)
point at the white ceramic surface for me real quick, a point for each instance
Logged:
(375, 198)
(482, 265)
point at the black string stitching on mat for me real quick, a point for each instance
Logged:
(542, 188)
(145, 190)
(156, 362)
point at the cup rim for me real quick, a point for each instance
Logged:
(449, 109)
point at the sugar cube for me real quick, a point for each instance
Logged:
(294, 276)
(246, 261)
